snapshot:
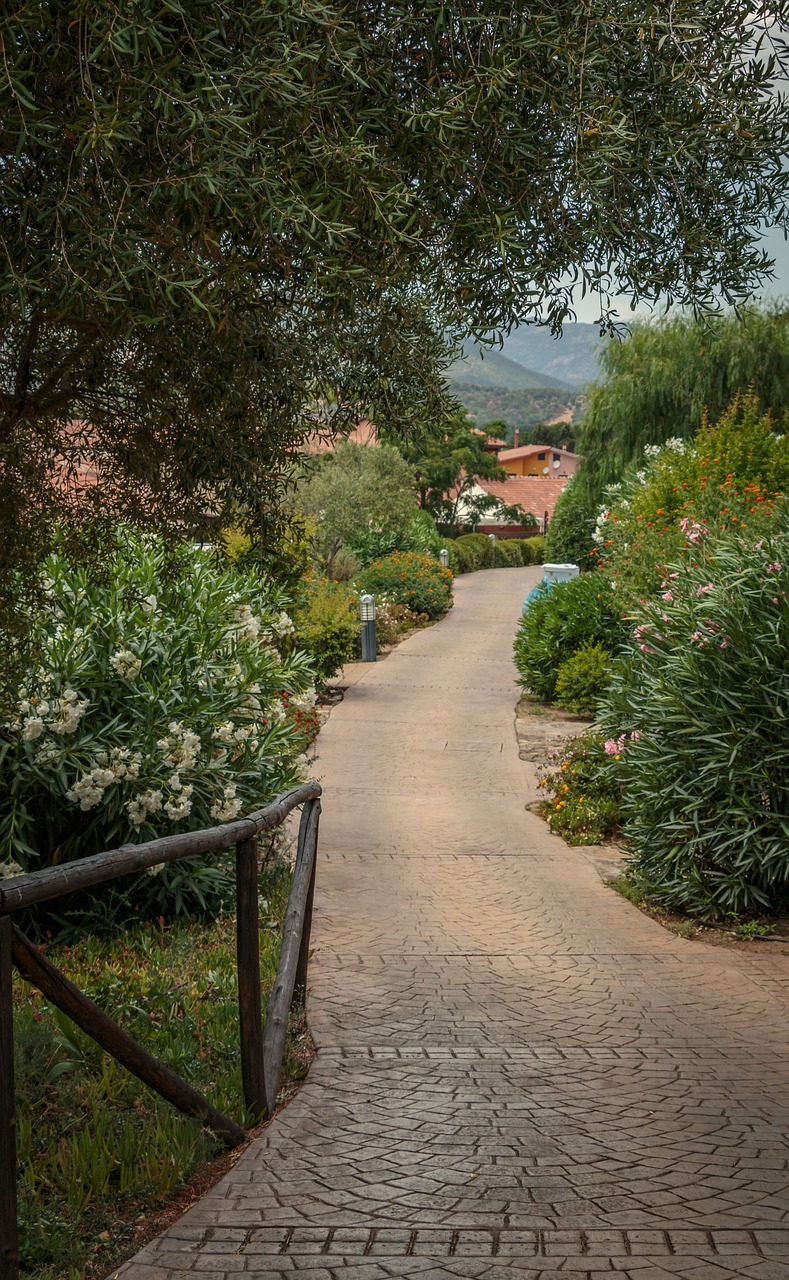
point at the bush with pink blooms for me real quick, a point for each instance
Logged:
(695, 725)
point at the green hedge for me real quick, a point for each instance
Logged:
(561, 620)
(474, 551)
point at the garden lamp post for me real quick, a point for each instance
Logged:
(443, 556)
(492, 540)
(367, 605)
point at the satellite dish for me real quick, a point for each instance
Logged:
(545, 470)
(557, 462)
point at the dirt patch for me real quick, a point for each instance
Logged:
(542, 730)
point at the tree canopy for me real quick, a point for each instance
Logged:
(221, 219)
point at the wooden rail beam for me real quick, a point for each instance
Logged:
(86, 873)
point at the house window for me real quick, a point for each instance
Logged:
(540, 457)
(557, 457)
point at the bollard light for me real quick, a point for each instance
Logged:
(443, 556)
(369, 642)
(492, 538)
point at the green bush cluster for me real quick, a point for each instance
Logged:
(326, 618)
(408, 578)
(697, 718)
(474, 551)
(560, 620)
(582, 678)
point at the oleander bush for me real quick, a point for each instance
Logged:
(418, 581)
(156, 705)
(696, 720)
(560, 620)
(582, 678)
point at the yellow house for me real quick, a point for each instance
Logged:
(539, 460)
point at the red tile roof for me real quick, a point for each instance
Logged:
(536, 494)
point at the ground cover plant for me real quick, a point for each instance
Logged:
(166, 696)
(97, 1150)
(583, 795)
(695, 719)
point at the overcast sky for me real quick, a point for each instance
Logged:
(778, 248)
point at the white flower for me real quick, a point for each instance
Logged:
(149, 604)
(68, 712)
(284, 625)
(225, 732)
(33, 728)
(86, 792)
(146, 802)
(181, 807)
(10, 869)
(47, 753)
(126, 663)
(304, 701)
(247, 626)
(156, 869)
(228, 808)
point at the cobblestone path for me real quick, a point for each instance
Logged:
(518, 1073)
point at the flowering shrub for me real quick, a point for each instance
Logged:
(695, 723)
(559, 621)
(584, 807)
(726, 480)
(393, 621)
(411, 579)
(161, 702)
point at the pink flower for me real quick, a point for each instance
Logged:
(667, 596)
(610, 747)
(775, 567)
(702, 591)
(725, 642)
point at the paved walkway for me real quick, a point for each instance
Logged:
(518, 1073)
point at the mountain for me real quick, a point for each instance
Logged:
(572, 358)
(490, 369)
(519, 408)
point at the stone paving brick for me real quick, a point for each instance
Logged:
(519, 1076)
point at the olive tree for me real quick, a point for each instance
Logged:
(217, 217)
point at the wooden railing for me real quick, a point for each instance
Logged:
(262, 1049)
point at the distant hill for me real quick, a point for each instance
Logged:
(573, 358)
(518, 408)
(489, 368)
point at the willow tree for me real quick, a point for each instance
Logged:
(219, 217)
(667, 375)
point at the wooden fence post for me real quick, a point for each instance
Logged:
(310, 831)
(281, 996)
(9, 1245)
(248, 956)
